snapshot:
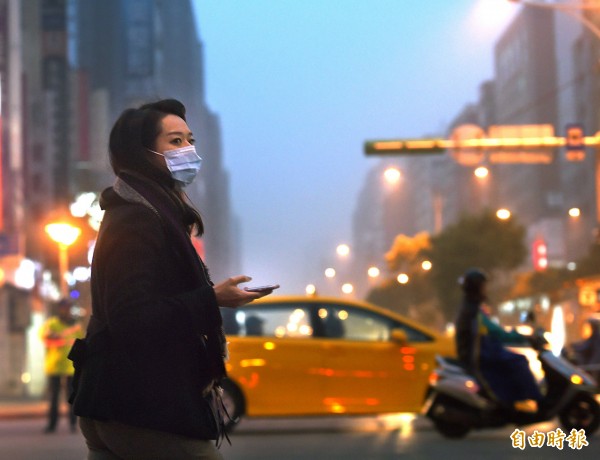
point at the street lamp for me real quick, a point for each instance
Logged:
(373, 272)
(392, 175)
(330, 272)
(343, 250)
(402, 278)
(65, 235)
(347, 288)
(482, 177)
(503, 214)
(481, 172)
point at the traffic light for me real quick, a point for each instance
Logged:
(574, 142)
(539, 255)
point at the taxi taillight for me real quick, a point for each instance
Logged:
(434, 378)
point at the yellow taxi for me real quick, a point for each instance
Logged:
(300, 355)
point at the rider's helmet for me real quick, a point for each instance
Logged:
(473, 280)
(594, 323)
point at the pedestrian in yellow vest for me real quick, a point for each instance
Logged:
(58, 333)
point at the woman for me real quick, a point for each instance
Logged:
(147, 373)
(480, 344)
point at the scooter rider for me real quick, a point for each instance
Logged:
(480, 345)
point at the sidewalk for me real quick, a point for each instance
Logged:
(14, 408)
(20, 408)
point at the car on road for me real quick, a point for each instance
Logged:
(297, 355)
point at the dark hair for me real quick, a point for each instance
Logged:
(131, 137)
(472, 282)
(63, 305)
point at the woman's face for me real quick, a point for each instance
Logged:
(174, 134)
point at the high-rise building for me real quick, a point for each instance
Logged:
(153, 52)
(545, 73)
(68, 68)
(526, 93)
(582, 87)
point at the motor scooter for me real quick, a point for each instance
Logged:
(457, 403)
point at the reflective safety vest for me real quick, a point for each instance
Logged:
(58, 337)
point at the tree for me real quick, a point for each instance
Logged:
(405, 250)
(415, 298)
(480, 240)
(550, 281)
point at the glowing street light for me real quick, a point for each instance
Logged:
(574, 212)
(503, 214)
(402, 278)
(311, 290)
(392, 175)
(343, 250)
(373, 272)
(330, 272)
(426, 265)
(347, 288)
(65, 235)
(481, 173)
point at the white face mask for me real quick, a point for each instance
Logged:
(184, 163)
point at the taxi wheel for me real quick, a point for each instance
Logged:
(234, 403)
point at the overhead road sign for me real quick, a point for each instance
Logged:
(463, 151)
(406, 146)
(509, 144)
(538, 147)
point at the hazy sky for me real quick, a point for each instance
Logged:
(299, 85)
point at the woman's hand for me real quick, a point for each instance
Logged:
(230, 295)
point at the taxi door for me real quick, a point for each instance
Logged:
(276, 362)
(366, 370)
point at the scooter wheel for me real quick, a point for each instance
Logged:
(582, 413)
(451, 430)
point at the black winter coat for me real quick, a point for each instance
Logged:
(153, 345)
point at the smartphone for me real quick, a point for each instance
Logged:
(268, 287)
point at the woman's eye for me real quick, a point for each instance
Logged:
(176, 141)
(192, 141)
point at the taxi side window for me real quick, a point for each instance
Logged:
(351, 324)
(412, 334)
(269, 321)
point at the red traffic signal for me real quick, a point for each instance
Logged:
(539, 254)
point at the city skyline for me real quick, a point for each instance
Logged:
(299, 86)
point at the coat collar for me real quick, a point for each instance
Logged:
(128, 193)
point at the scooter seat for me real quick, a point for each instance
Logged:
(451, 364)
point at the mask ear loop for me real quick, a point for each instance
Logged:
(157, 153)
